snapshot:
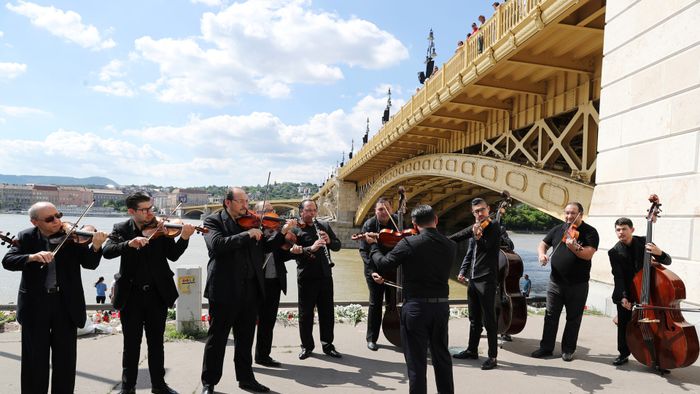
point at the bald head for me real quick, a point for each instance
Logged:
(37, 209)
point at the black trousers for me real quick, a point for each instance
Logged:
(374, 313)
(482, 312)
(424, 325)
(100, 299)
(573, 297)
(45, 331)
(143, 310)
(242, 319)
(623, 317)
(317, 292)
(267, 316)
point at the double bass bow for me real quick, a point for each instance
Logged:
(657, 335)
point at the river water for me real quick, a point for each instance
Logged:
(348, 273)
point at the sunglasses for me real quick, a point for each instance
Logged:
(53, 217)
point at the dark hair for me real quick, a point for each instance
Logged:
(624, 222)
(423, 215)
(578, 205)
(134, 199)
(304, 201)
(478, 201)
(102, 278)
(383, 201)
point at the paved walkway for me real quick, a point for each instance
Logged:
(361, 370)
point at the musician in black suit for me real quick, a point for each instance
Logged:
(315, 279)
(426, 260)
(235, 287)
(51, 302)
(626, 259)
(482, 273)
(275, 274)
(144, 290)
(381, 220)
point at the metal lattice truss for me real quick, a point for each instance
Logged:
(553, 144)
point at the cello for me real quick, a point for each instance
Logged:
(511, 306)
(657, 335)
(391, 322)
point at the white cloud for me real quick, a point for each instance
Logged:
(264, 47)
(12, 70)
(210, 3)
(115, 88)
(65, 24)
(113, 69)
(20, 111)
(2, 34)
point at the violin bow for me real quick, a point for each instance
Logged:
(392, 284)
(165, 219)
(71, 231)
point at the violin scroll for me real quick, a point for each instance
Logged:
(7, 240)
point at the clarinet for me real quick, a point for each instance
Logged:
(325, 248)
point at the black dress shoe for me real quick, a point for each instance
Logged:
(305, 353)
(164, 389)
(506, 338)
(372, 346)
(464, 354)
(253, 385)
(330, 350)
(127, 391)
(208, 389)
(490, 363)
(539, 353)
(268, 362)
(619, 360)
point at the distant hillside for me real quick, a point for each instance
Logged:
(56, 180)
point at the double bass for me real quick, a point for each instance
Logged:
(391, 322)
(511, 306)
(657, 335)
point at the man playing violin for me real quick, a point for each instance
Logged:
(381, 220)
(275, 274)
(626, 259)
(574, 243)
(426, 260)
(481, 272)
(51, 301)
(145, 289)
(315, 279)
(235, 287)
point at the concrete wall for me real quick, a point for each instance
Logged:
(649, 136)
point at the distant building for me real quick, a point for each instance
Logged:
(103, 195)
(160, 201)
(45, 193)
(15, 197)
(188, 197)
(74, 195)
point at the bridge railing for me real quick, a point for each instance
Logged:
(508, 15)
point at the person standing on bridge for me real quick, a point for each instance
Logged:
(145, 289)
(426, 260)
(480, 269)
(568, 282)
(626, 259)
(51, 302)
(315, 240)
(235, 287)
(382, 220)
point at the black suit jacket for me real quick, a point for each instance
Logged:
(314, 265)
(487, 249)
(156, 254)
(32, 290)
(426, 260)
(625, 263)
(231, 250)
(280, 256)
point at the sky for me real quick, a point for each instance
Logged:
(208, 92)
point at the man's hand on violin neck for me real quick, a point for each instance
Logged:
(98, 239)
(187, 231)
(138, 242)
(255, 233)
(41, 257)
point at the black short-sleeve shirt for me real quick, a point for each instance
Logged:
(567, 268)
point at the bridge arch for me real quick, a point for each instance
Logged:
(543, 190)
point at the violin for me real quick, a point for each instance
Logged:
(83, 236)
(268, 221)
(7, 240)
(169, 228)
(572, 233)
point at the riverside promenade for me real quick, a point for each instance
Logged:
(362, 371)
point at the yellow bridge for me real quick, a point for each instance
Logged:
(282, 207)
